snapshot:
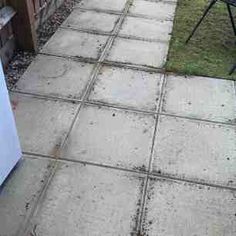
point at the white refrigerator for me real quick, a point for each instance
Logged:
(10, 151)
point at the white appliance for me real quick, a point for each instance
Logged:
(10, 151)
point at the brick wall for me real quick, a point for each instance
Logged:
(44, 9)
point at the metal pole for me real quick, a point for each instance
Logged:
(201, 19)
(231, 18)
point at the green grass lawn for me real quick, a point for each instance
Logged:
(211, 51)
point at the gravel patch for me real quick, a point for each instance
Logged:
(22, 59)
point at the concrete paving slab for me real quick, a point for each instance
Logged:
(134, 89)
(73, 43)
(19, 193)
(154, 9)
(80, 19)
(195, 150)
(56, 76)
(42, 124)
(89, 200)
(147, 28)
(200, 97)
(139, 52)
(175, 208)
(117, 5)
(111, 137)
(168, 1)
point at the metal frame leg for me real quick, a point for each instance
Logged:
(234, 29)
(231, 18)
(232, 69)
(212, 3)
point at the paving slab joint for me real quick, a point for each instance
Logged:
(28, 225)
(145, 191)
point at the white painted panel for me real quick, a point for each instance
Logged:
(10, 151)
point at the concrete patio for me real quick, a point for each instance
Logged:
(112, 144)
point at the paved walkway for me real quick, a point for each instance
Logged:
(138, 152)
